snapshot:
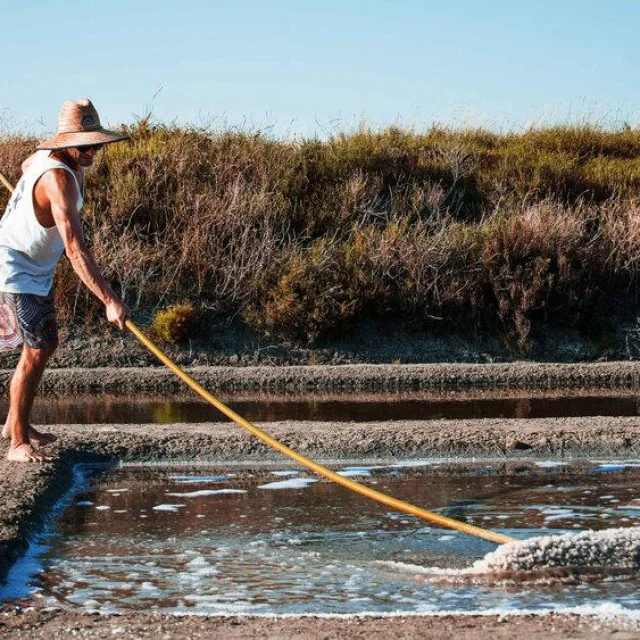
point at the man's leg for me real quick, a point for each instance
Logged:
(37, 438)
(22, 393)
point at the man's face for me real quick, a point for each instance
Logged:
(84, 155)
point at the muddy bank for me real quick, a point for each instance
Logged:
(27, 492)
(32, 623)
(364, 377)
(538, 438)
(230, 342)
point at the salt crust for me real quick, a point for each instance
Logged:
(618, 548)
(292, 483)
(603, 551)
(168, 507)
(609, 612)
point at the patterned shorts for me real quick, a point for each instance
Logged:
(26, 319)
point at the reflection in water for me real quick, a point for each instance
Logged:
(318, 548)
(91, 409)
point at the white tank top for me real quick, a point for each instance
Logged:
(29, 252)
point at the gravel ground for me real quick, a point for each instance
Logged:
(32, 623)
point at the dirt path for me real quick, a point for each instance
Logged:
(538, 438)
(32, 623)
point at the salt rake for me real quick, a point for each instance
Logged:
(378, 496)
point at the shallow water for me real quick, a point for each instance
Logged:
(280, 541)
(89, 409)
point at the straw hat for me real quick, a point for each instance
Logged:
(79, 124)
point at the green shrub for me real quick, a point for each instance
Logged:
(311, 294)
(173, 324)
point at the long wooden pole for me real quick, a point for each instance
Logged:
(378, 496)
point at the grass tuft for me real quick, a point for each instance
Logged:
(173, 324)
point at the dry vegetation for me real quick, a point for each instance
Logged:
(503, 233)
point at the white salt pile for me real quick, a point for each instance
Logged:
(548, 559)
(618, 548)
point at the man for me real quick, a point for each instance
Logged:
(41, 221)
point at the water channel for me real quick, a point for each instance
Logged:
(264, 540)
(363, 407)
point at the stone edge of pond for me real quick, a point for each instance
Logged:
(378, 377)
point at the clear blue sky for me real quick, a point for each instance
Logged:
(314, 67)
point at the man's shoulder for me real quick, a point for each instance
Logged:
(56, 189)
(58, 179)
(29, 162)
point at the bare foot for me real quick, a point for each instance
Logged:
(40, 439)
(37, 438)
(25, 453)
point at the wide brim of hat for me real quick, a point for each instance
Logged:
(81, 138)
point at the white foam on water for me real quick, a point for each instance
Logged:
(292, 483)
(606, 612)
(205, 492)
(194, 479)
(549, 464)
(103, 507)
(557, 513)
(167, 507)
(364, 470)
(285, 473)
(148, 586)
(354, 473)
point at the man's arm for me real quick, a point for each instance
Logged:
(62, 195)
